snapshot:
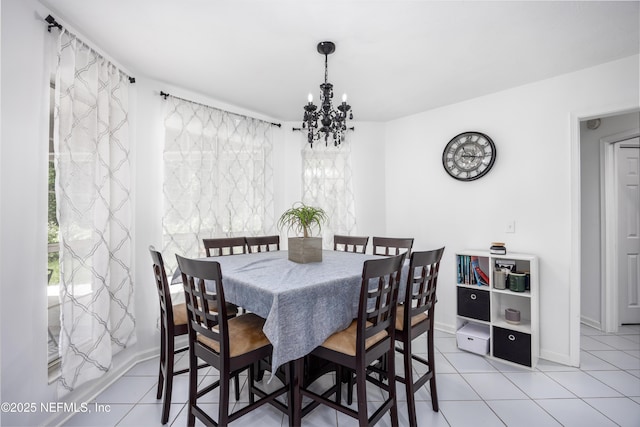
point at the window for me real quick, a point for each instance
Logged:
(53, 251)
(327, 183)
(218, 177)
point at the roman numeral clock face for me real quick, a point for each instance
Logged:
(469, 156)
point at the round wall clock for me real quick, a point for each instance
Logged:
(469, 156)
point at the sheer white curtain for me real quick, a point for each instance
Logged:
(218, 177)
(91, 146)
(327, 183)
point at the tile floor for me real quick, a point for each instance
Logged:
(473, 391)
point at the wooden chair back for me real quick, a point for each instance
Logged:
(356, 244)
(378, 299)
(390, 246)
(422, 282)
(162, 286)
(210, 324)
(263, 243)
(225, 246)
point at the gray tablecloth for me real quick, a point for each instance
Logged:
(303, 304)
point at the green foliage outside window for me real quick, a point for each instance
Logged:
(52, 232)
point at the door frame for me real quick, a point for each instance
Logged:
(609, 237)
(575, 270)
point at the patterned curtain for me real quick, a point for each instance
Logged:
(327, 183)
(91, 146)
(218, 177)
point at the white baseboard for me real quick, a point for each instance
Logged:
(451, 329)
(88, 392)
(562, 359)
(591, 322)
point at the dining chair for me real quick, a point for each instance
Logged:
(415, 316)
(225, 246)
(366, 339)
(231, 345)
(357, 244)
(173, 323)
(263, 243)
(392, 246)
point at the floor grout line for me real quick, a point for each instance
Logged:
(181, 407)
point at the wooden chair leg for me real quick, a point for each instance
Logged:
(163, 363)
(259, 371)
(409, 386)
(361, 384)
(432, 369)
(223, 410)
(193, 387)
(339, 377)
(168, 380)
(250, 382)
(350, 388)
(391, 375)
(236, 383)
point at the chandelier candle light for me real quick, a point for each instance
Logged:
(333, 122)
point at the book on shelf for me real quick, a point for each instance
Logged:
(480, 276)
(469, 271)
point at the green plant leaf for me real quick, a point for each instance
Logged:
(302, 219)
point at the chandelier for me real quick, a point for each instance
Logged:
(333, 123)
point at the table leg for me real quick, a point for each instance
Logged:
(297, 374)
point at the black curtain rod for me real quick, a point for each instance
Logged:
(54, 24)
(165, 95)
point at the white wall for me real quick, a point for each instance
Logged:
(530, 183)
(23, 172)
(591, 221)
(1, 264)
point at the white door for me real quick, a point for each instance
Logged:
(628, 189)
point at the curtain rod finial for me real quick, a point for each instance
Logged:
(52, 23)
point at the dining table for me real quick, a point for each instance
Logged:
(302, 304)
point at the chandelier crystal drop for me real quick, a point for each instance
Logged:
(326, 122)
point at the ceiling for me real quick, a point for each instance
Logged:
(393, 58)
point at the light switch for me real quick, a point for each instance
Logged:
(511, 227)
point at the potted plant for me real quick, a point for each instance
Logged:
(303, 219)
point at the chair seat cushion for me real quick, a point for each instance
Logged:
(180, 314)
(421, 317)
(180, 311)
(245, 335)
(345, 341)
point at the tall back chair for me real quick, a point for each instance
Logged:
(173, 322)
(263, 243)
(416, 316)
(230, 345)
(225, 246)
(392, 246)
(368, 338)
(357, 244)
